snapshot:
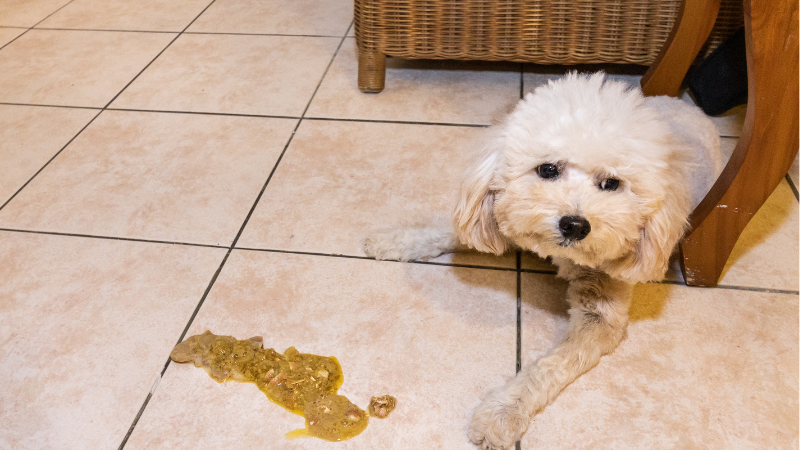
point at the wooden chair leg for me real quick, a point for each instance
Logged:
(766, 149)
(694, 23)
(371, 71)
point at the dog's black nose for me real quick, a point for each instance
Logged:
(575, 228)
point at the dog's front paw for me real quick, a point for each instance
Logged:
(410, 244)
(387, 245)
(498, 422)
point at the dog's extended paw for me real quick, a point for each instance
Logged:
(409, 244)
(387, 245)
(498, 422)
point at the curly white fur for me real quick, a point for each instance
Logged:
(665, 155)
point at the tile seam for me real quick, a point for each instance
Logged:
(32, 26)
(111, 238)
(216, 273)
(344, 256)
(102, 109)
(792, 186)
(104, 30)
(96, 108)
(49, 161)
(238, 235)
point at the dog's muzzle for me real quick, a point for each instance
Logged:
(574, 228)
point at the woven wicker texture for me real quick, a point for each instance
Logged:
(538, 31)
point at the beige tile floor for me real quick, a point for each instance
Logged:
(170, 167)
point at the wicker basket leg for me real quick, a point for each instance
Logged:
(371, 71)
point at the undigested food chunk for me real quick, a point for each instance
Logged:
(380, 407)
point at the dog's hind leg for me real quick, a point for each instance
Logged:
(598, 320)
(412, 243)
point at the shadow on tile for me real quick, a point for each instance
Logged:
(648, 301)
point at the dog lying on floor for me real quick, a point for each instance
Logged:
(600, 179)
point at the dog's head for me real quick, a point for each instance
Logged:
(582, 170)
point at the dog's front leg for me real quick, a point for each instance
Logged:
(598, 319)
(409, 244)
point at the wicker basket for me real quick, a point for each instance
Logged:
(537, 31)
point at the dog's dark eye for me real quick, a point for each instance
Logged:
(547, 171)
(609, 184)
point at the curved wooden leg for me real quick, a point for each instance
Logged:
(694, 23)
(371, 71)
(766, 149)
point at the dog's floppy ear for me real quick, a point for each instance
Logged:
(473, 219)
(658, 237)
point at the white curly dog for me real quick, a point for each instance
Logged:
(588, 172)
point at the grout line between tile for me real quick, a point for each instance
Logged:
(159, 54)
(101, 110)
(756, 289)
(37, 23)
(106, 30)
(136, 419)
(204, 113)
(407, 122)
(238, 235)
(111, 30)
(733, 288)
(49, 161)
(521, 81)
(334, 255)
(539, 271)
(266, 116)
(794, 188)
(111, 238)
(51, 106)
(197, 308)
(9, 42)
(289, 252)
(264, 34)
(48, 16)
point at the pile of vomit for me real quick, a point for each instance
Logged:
(301, 383)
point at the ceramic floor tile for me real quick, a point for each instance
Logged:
(74, 68)
(172, 177)
(340, 181)
(727, 145)
(26, 13)
(419, 91)
(30, 136)
(300, 17)
(765, 256)
(434, 337)
(731, 122)
(267, 75)
(9, 34)
(700, 368)
(766, 253)
(142, 15)
(85, 325)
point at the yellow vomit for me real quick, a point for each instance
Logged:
(301, 383)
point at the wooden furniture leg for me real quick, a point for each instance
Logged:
(694, 23)
(766, 148)
(371, 71)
